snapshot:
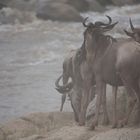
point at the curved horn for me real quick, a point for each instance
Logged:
(129, 33)
(131, 25)
(63, 89)
(84, 22)
(57, 82)
(109, 18)
(89, 24)
(109, 27)
(99, 23)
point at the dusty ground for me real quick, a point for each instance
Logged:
(60, 126)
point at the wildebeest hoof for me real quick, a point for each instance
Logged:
(91, 127)
(114, 125)
(105, 121)
(122, 123)
(81, 123)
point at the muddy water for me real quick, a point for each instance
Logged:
(31, 57)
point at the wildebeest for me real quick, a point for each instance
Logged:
(83, 79)
(88, 71)
(114, 63)
(73, 66)
(71, 69)
(135, 34)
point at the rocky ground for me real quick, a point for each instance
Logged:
(60, 126)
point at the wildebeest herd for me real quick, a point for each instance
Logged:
(101, 60)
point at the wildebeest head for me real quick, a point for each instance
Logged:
(63, 89)
(135, 34)
(94, 32)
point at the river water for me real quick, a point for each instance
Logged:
(31, 57)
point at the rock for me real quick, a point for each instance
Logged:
(123, 2)
(70, 133)
(12, 16)
(58, 11)
(105, 2)
(119, 134)
(33, 137)
(24, 5)
(2, 5)
(35, 125)
(60, 126)
(80, 5)
(94, 5)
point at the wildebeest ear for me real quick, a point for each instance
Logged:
(129, 33)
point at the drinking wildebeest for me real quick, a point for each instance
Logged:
(73, 65)
(71, 69)
(114, 63)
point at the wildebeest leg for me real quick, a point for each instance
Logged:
(84, 104)
(91, 93)
(86, 75)
(76, 103)
(114, 91)
(76, 117)
(105, 114)
(99, 91)
(130, 88)
(137, 105)
(63, 99)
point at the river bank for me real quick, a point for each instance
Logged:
(60, 126)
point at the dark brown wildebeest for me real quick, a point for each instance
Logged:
(86, 74)
(114, 63)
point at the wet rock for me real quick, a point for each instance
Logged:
(2, 5)
(94, 5)
(123, 2)
(80, 5)
(24, 5)
(58, 11)
(12, 16)
(105, 2)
